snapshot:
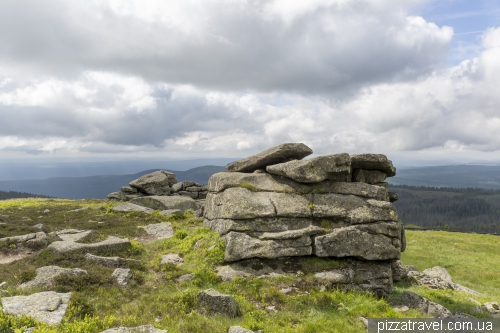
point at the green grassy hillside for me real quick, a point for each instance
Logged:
(155, 297)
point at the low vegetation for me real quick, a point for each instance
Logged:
(155, 297)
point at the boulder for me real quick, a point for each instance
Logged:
(116, 196)
(155, 183)
(369, 242)
(185, 277)
(399, 271)
(216, 303)
(172, 258)
(429, 308)
(169, 212)
(73, 235)
(123, 276)
(279, 154)
(331, 167)
(393, 197)
(110, 244)
(138, 329)
(36, 240)
(274, 224)
(192, 195)
(438, 278)
(166, 202)
(373, 162)
(48, 307)
(128, 189)
(159, 230)
(336, 276)
(368, 176)
(130, 207)
(45, 276)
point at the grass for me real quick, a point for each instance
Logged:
(155, 297)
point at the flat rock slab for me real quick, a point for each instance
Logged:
(45, 276)
(170, 212)
(248, 268)
(159, 230)
(36, 240)
(373, 162)
(239, 329)
(138, 329)
(215, 302)
(279, 154)
(155, 183)
(78, 209)
(159, 202)
(130, 207)
(73, 234)
(317, 169)
(110, 244)
(492, 308)
(48, 307)
(416, 301)
(438, 278)
(113, 262)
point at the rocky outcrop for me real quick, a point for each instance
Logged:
(48, 307)
(130, 207)
(438, 278)
(158, 202)
(138, 329)
(35, 241)
(45, 276)
(159, 183)
(327, 206)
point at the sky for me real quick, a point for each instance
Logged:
(192, 79)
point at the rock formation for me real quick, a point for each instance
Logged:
(335, 206)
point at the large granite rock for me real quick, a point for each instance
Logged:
(166, 202)
(108, 245)
(36, 240)
(45, 276)
(159, 230)
(438, 278)
(279, 154)
(73, 235)
(373, 162)
(331, 167)
(416, 301)
(130, 207)
(215, 302)
(155, 183)
(48, 307)
(368, 176)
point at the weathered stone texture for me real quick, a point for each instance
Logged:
(156, 183)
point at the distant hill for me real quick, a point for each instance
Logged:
(97, 186)
(453, 209)
(480, 176)
(16, 195)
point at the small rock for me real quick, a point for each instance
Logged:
(288, 290)
(461, 315)
(73, 234)
(401, 308)
(416, 301)
(159, 230)
(169, 212)
(139, 329)
(45, 276)
(123, 276)
(271, 309)
(185, 277)
(172, 258)
(364, 321)
(239, 329)
(492, 308)
(78, 210)
(214, 302)
(130, 207)
(46, 211)
(113, 262)
(3, 284)
(38, 226)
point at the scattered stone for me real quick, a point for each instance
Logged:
(122, 275)
(239, 329)
(110, 244)
(156, 183)
(78, 210)
(279, 154)
(331, 167)
(38, 226)
(37, 240)
(185, 277)
(74, 235)
(289, 290)
(46, 211)
(493, 308)
(166, 202)
(416, 301)
(172, 258)
(98, 222)
(373, 162)
(364, 321)
(159, 230)
(48, 307)
(130, 207)
(461, 315)
(138, 329)
(170, 212)
(45, 276)
(214, 302)
(401, 308)
(3, 217)
(3, 284)
(113, 262)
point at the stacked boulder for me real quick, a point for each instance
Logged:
(159, 183)
(275, 204)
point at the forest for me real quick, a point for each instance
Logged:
(4, 195)
(445, 208)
